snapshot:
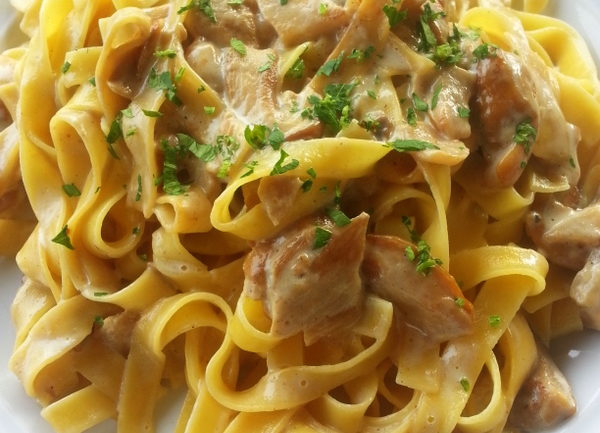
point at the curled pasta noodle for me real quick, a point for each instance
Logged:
(315, 216)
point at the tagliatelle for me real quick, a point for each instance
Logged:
(162, 160)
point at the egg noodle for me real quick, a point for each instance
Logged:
(136, 175)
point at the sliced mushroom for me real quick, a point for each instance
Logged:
(545, 398)
(306, 288)
(426, 301)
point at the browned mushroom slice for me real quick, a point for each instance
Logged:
(427, 301)
(454, 86)
(545, 398)
(250, 93)
(300, 21)
(585, 290)
(505, 97)
(566, 236)
(307, 288)
(277, 194)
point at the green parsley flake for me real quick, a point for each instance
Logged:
(464, 383)
(63, 239)
(280, 168)
(99, 321)
(323, 9)
(235, 2)
(339, 218)
(71, 190)
(411, 145)
(138, 194)
(463, 112)
(419, 104)
(361, 55)
(100, 294)
(525, 135)
(204, 6)
(409, 253)
(483, 51)
(258, 136)
(209, 110)
(115, 131)
(460, 302)
(307, 184)
(250, 166)
(322, 237)
(163, 82)
(572, 162)
(179, 74)
(65, 67)
(494, 320)
(268, 64)
(92, 81)
(297, 69)
(411, 116)
(170, 53)
(436, 95)
(136, 231)
(334, 109)
(283, 2)
(394, 15)
(331, 66)
(151, 113)
(372, 94)
(238, 46)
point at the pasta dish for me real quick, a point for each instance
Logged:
(336, 216)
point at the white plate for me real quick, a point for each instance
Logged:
(577, 355)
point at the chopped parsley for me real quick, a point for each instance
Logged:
(525, 135)
(419, 104)
(308, 183)
(436, 95)
(268, 64)
(152, 113)
(65, 67)
(331, 66)
(297, 69)
(464, 383)
(339, 218)
(483, 51)
(63, 239)
(281, 168)
(372, 94)
(411, 116)
(334, 109)
(138, 193)
(250, 166)
(92, 81)
(494, 320)
(170, 53)
(422, 253)
(411, 145)
(164, 82)
(572, 162)
(115, 131)
(322, 237)
(361, 55)
(99, 321)
(259, 136)
(179, 74)
(203, 5)
(135, 231)
(283, 2)
(235, 2)
(71, 190)
(460, 302)
(427, 40)
(394, 15)
(463, 112)
(238, 46)
(209, 110)
(323, 9)
(100, 294)
(168, 178)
